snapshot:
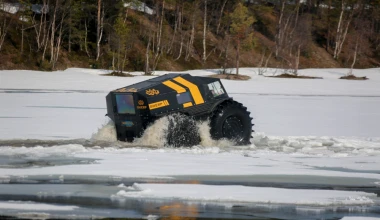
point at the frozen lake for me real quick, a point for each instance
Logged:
(315, 153)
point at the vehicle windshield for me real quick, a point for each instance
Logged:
(125, 104)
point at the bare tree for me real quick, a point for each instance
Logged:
(287, 23)
(204, 56)
(99, 29)
(220, 16)
(180, 24)
(359, 40)
(147, 67)
(53, 29)
(190, 43)
(41, 27)
(302, 37)
(343, 27)
(5, 22)
(158, 48)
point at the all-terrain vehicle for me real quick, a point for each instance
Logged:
(186, 99)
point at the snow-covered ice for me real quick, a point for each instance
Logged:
(266, 195)
(34, 206)
(311, 135)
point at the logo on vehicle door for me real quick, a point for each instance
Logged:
(152, 92)
(141, 104)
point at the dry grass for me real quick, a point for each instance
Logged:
(352, 77)
(230, 76)
(291, 76)
(118, 74)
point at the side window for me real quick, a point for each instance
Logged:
(184, 97)
(216, 89)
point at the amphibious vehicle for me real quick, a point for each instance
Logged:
(185, 99)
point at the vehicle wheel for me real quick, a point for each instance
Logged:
(232, 121)
(182, 131)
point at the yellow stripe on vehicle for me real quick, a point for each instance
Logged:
(159, 104)
(187, 104)
(194, 90)
(174, 86)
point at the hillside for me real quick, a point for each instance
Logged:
(179, 35)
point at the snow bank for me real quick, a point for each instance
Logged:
(40, 151)
(312, 145)
(266, 195)
(359, 218)
(21, 205)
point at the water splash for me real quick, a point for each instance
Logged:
(105, 133)
(156, 134)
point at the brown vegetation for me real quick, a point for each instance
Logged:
(352, 77)
(292, 76)
(189, 34)
(231, 76)
(119, 74)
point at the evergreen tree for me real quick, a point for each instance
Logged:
(240, 29)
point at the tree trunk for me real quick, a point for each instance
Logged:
(118, 57)
(237, 56)
(204, 32)
(189, 51)
(46, 27)
(85, 38)
(159, 38)
(339, 31)
(99, 29)
(147, 70)
(355, 56)
(226, 53)
(3, 31)
(220, 16)
(160, 27)
(59, 42)
(176, 24)
(328, 27)
(70, 27)
(22, 39)
(297, 60)
(181, 31)
(124, 59)
(279, 29)
(46, 35)
(52, 36)
(344, 35)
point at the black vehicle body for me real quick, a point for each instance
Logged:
(134, 107)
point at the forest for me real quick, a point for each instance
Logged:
(176, 35)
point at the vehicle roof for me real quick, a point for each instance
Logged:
(150, 83)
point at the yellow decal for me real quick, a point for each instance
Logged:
(121, 90)
(159, 104)
(152, 92)
(187, 104)
(140, 102)
(174, 86)
(126, 90)
(194, 90)
(132, 90)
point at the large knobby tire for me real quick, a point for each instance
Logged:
(182, 131)
(231, 121)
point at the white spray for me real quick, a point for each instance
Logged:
(155, 134)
